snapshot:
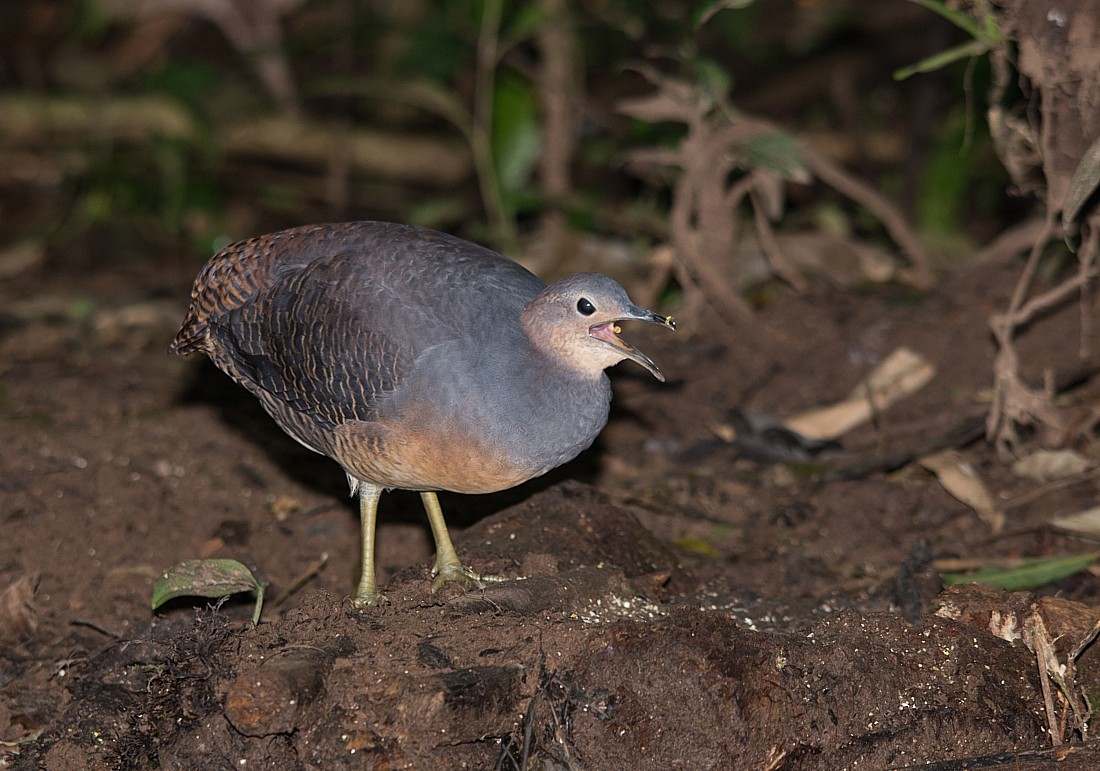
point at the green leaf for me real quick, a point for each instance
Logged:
(435, 49)
(207, 578)
(948, 173)
(987, 36)
(1029, 574)
(516, 136)
(714, 78)
(190, 83)
(696, 546)
(776, 152)
(706, 12)
(943, 58)
(1085, 180)
(419, 92)
(522, 27)
(437, 212)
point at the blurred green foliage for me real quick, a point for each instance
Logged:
(1029, 574)
(166, 185)
(962, 170)
(978, 21)
(441, 45)
(416, 69)
(516, 137)
(189, 82)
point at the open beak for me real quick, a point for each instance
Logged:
(608, 333)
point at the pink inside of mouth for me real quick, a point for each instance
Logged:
(606, 332)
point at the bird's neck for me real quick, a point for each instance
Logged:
(556, 347)
(564, 411)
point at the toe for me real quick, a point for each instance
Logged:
(460, 575)
(369, 599)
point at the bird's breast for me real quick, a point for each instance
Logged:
(491, 440)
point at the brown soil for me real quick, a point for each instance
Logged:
(688, 603)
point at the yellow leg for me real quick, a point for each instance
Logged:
(448, 567)
(367, 593)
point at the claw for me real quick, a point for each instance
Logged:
(369, 600)
(448, 573)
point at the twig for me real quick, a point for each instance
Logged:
(1037, 638)
(1050, 487)
(776, 758)
(560, 94)
(310, 572)
(529, 725)
(891, 217)
(254, 30)
(93, 625)
(1013, 402)
(1019, 293)
(1086, 264)
(481, 130)
(1016, 239)
(730, 305)
(770, 245)
(1051, 298)
(1085, 641)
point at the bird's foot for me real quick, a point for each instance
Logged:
(457, 573)
(369, 599)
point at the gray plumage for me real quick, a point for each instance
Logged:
(414, 359)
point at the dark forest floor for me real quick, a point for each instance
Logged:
(686, 603)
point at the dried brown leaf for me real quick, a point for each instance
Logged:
(960, 479)
(900, 374)
(657, 107)
(18, 614)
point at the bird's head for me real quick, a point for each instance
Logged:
(575, 322)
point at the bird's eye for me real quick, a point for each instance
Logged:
(585, 307)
